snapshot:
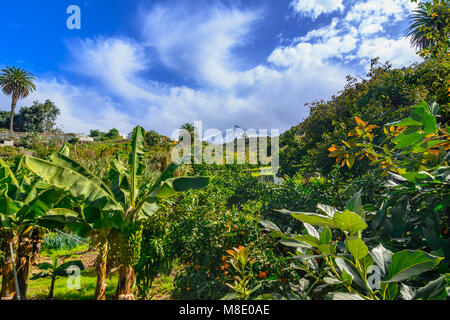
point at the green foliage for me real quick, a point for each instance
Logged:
(385, 96)
(40, 117)
(61, 241)
(429, 30)
(349, 263)
(98, 135)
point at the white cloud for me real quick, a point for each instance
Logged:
(307, 53)
(115, 62)
(397, 51)
(373, 15)
(315, 8)
(198, 43)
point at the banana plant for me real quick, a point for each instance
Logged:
(23, 200)
(114, 211)
(363, 274)
(54, 270)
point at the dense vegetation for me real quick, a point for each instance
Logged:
(362, 211)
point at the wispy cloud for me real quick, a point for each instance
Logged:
(197, 41)
(314, 8)
(197, 44)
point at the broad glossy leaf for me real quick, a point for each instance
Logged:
(76, 183)
(408, 264)
(407, 292)
(311, 230)
(382, 258)
(357, 247)
(64, 161)
(355, 203)
(344, 265)
(434, 290)
(390, 290)
(325, 236)
(404, 141)
(345, 296)
(188, 183)
(329, 210)
(135, 160)
(308, 239)
(65, 150)
(349, 221)
(62, 269)
(311, 218)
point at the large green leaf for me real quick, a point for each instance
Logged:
(329, 210)
(61, 270)
(344, 265)
(6, 174)
(76, 183)
(357, 247)
(408, 140)
(189, 183)
(434, 290)
(349, 221)
(172, 186)
(408, 264)
(382, 258)
(345, 296)
(119, 179)
(355, 203)
(135, 161)
(389, 289)
(64, 161)
(326, 236)
(311, 218)
(308, 239)
(41, 204)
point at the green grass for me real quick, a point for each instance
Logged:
(162, 288)
(66, 253)
(38, 289)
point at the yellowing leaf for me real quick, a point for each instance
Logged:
(360, 122)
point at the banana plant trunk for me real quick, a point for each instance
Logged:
(8, 290)
(125, 283)
(102, 259)
(24, 253)
(37, 238)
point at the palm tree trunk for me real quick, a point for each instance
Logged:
(102, 260)
(13, 107)
(126, 280)
(8, 290)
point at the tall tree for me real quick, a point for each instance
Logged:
(429, 24)
(18, 83)
(40, 117)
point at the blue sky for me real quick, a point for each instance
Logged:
(163, 63)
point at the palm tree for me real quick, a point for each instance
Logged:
(423, 21)
(189, 127)
(19, 84)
